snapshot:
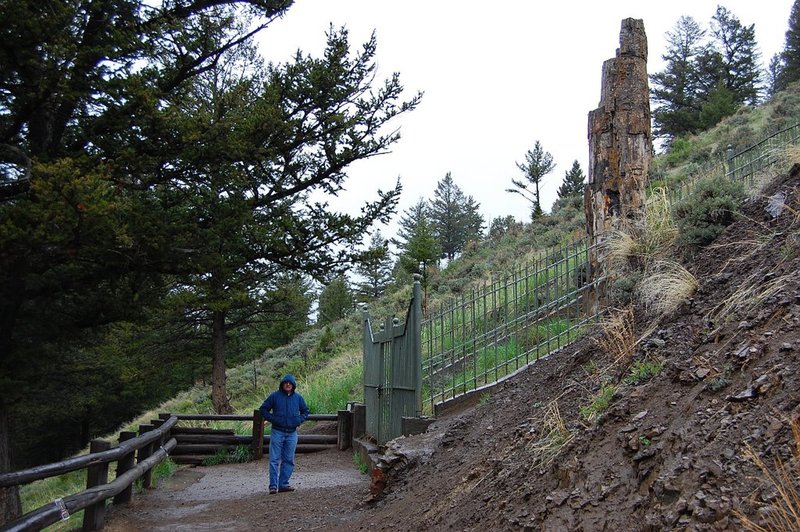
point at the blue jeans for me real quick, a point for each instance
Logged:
(281, 457)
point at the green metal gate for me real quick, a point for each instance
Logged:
(393, 371)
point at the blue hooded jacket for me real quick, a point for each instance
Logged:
(285, 411)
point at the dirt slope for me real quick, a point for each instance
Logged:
(669, 453)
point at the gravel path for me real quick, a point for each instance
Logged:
(330, 493)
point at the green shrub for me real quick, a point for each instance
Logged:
(679, 151)
(703, 215)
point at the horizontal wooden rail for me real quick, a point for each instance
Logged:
(25, 476)
(235, 417)
(50, 514)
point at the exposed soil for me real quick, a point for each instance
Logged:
(669, 453)
(235, 497)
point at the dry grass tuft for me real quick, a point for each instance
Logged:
(784, 514)
(669, 285)
(621, 247)
(641, 241)
(554, 435)
(619, 335)
(752, 293)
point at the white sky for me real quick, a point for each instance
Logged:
(497, 76)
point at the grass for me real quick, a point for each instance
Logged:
(751, 294)
(554, 434)
(619, 338)
(643, 370)
(43, 492)
(239, 455)
(667, 286)
(783, 515)
(360, 464)
(594, 410)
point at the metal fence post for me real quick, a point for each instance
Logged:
(729, 157)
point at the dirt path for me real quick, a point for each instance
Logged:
(330, 494)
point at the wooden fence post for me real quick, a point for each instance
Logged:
(359, 420)
(125, 464)
(144, 454)
(344, 429)
(96, 475)
(258, 435)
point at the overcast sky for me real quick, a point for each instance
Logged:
(496, 77)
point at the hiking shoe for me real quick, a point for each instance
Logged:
(286, 488)
(273, 491)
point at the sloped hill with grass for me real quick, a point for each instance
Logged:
(689, 420)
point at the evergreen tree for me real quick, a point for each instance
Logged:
(335, 301)
(374, 269)
(409, 221)
(503, 225)
(446, 216)
(788, 69)
(774, 74)
(719, 103)
(287, 315)
(705, 79)
(538, 163)
(573, 184)
(140, 164)
(455, 217)
(421, 250)
(741, 74)
(474, 224)
(676, 89)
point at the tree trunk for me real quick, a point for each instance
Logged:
(10, 507)
(219, 396)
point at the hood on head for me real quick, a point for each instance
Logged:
(290, 379)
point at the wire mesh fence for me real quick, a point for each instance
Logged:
(526, 314)
(490, 332)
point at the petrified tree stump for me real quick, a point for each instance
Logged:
(620, 142)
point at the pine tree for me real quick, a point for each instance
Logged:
(789, 70)
(676, 89)
(421, 250)
(445, 212)
(705, 79)
(741, 74)
(538, 163)
(474, 224)
(409, 221)
(140, 164)
(335, 301)
(774, 74)
(573, 183)
(455, 217)
(374, 269)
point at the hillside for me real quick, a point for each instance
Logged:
(678, 451)
(673, 452)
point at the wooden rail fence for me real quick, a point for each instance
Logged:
(137, 454)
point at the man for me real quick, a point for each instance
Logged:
(285, 409)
